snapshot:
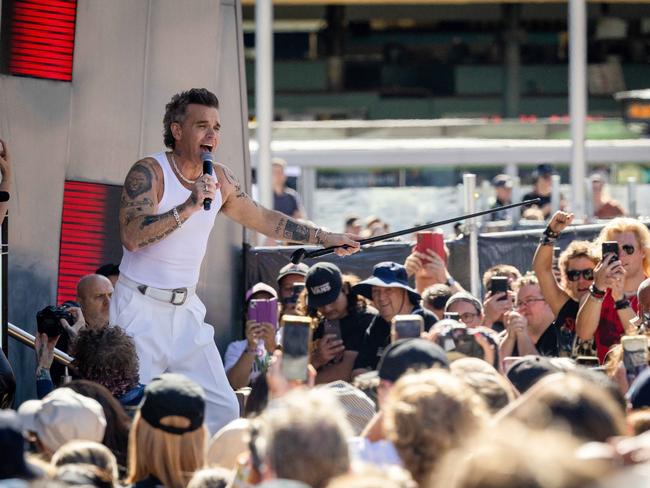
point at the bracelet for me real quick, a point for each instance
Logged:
(317, 234)
(595, 292)
(547, 241)
(621, 304)
(551, 233)
(177, 217)
(43, 374)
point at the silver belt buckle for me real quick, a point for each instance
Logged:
(182, 292)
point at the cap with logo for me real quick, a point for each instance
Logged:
(323, 282)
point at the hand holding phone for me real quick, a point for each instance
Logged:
(264, 311)
(431, 240)
(500, 284)
(610, 247)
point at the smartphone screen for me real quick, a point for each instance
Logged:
(407, 326)
(589, 361)
(452, 316)
(635, 355)
(264, 311)
(610, 247)
(296, 337)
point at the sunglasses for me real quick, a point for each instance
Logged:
(530, 301)
(574, 274)
(628, 248)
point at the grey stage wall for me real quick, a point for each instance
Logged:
(130, 58)
(515, 248)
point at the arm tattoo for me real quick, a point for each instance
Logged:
(151, 219)
(230, 176)
(293, 231)
(138, 204)
(138, 181)
(281, 224)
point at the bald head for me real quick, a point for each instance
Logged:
(643, 294)
(94, 296)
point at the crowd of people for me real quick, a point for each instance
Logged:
(405, 379)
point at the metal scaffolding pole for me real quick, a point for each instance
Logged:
(264, 96)
(578, 102)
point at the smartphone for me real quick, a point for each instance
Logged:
(635, 355)
(588, 361)
(332, 327)
(431, 240)
(610, 247)
(264, 311)
(296, 337)
(452, 316)
(295, 293)
(406, 326)
(499, 284)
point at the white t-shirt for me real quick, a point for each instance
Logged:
(236, 349)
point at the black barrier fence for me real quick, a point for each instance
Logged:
(516, 248)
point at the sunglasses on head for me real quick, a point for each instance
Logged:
(574, 274)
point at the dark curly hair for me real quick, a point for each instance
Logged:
(176, 108)
(107, 356)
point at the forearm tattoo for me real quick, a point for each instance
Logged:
(290, 230)
(168, 224)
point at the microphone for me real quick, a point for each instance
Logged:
(207, 170)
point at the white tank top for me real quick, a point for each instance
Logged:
(174, 261)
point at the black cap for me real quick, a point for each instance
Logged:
(405, 354)
(173, 394)
(323, 283)
(12, 446)
(528, 370)
(543, 170)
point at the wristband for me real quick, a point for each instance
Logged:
(621, 304)
(548, 232)
(595, 292)
(547, 241)
(450, 281)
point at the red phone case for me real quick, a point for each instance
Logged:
(431, 240)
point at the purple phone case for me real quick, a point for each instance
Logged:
(264, 310)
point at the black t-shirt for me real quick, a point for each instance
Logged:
(548, 344)
(377, 337)
(570, 344)
(353, 328)
(286, 202)
(545, 199)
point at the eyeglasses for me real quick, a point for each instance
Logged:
(525, 303)
(628, 248)
(574, 274)
(467, 317)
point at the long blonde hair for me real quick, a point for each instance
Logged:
(627, 224)
(171, 458)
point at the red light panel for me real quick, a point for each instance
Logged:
(89, 233)
(42, 38)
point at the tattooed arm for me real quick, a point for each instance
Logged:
(240, 207)
(140, 223)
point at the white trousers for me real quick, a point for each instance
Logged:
(174, 338)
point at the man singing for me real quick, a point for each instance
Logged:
(164, 231)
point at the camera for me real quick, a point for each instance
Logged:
(48, 319)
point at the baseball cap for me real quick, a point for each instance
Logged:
(323, 283)
(405, 354)
(387, 275)
(543, 170)
(463, 296)
(297, 269)
(502, 181)
(528, 370)
(12, 446)
(172, 394)
(261, 287)
(359, 408)
(63, 415)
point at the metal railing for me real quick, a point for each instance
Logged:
(29, 340)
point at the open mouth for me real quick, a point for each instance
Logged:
(206, 148)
